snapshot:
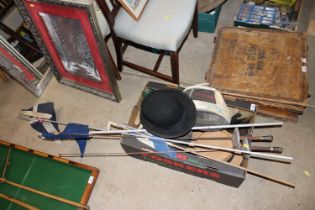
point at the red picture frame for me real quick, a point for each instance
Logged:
(98, 78)
(28, 75)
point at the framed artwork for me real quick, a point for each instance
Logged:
(69, 36)
(134, 7)
(16, 65)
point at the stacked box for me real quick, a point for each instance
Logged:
(262, 66)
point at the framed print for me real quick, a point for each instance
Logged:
(69, 36)
(16, 65)
(134, 7)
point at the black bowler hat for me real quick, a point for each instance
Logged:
(168, 113)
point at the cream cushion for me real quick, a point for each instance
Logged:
(163, 24)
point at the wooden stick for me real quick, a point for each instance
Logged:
(240, 167)
(63, 200)
(6, 163)
(18, 202)
(119, 154)
(39, 115)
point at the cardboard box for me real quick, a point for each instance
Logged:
(188, 162)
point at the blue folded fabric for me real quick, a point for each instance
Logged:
(160, 145)
(72, 131)
(78, 132)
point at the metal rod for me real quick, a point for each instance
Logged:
(254, 154)
(237, 126)
(195, 128)
(101, 131)
(252, 138)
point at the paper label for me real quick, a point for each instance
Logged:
(304, 69)
(304, 60)
(90, 181)
(253, 107)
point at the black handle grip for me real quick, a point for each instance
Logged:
(278, 150)
(267, 138)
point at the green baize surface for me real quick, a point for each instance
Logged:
(44, 174)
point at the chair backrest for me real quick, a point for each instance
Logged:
(5, 6)
(109, 12)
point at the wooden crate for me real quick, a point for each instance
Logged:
(267, 67)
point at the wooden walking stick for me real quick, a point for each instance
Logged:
(120, 154)
(240, 167)
(18, 202)
(54, 197)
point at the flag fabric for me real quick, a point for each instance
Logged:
(51, 131)
(45, 127)
(78, 132)
(72, 131)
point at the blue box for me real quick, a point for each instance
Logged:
(207, 21)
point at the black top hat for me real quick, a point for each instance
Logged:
(168, 113)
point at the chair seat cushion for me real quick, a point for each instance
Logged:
(163, 24)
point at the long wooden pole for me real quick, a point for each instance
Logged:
(251, 171)
(119, 154)
(63, 200)
(18, 202)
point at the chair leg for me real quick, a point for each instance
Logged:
(195, 22)
(119, 53)
(175, 67)
(114, 67)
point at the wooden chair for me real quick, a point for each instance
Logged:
(163, 27)
(5, 7)
(27, 48)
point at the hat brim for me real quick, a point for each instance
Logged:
(181, 127)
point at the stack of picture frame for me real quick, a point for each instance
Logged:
(16, 65)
